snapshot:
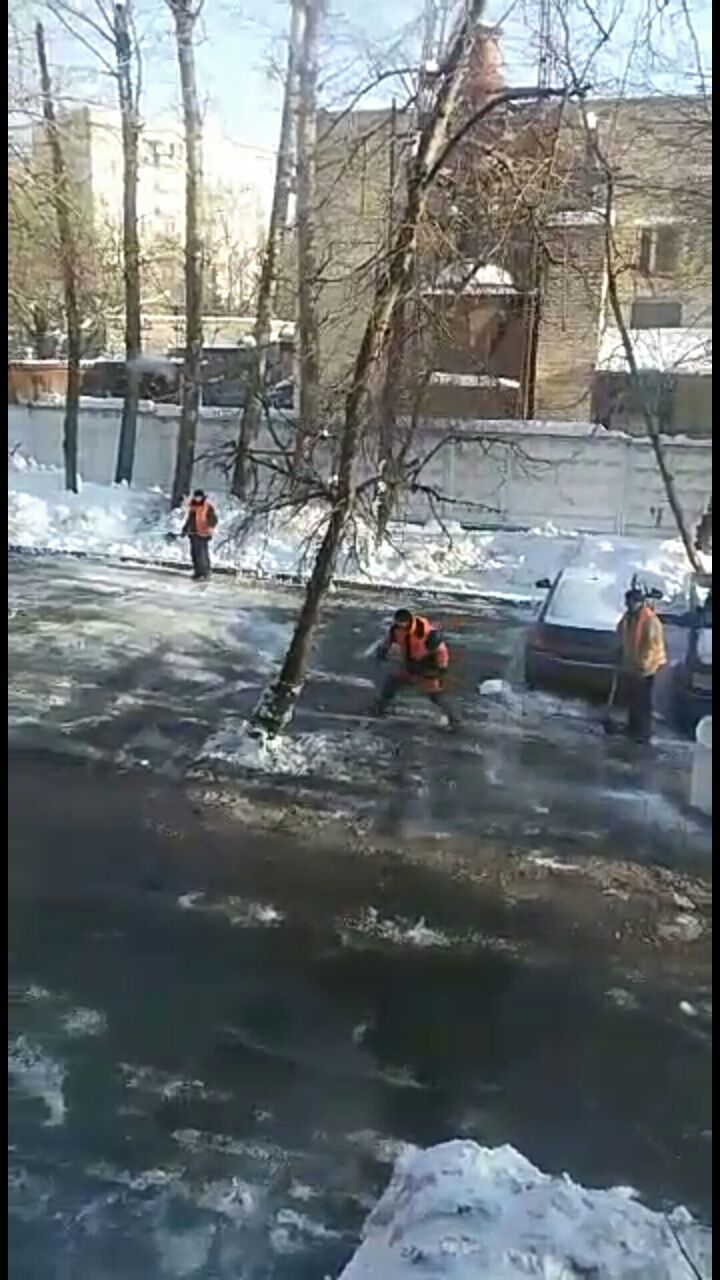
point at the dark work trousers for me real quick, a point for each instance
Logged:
(639, 694)
(200, 555)
(398, 680)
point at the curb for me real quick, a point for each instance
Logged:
(291, 580)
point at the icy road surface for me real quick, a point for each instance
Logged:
(145, 670)
(235, 995)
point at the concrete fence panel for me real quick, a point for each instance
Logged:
(502, 474)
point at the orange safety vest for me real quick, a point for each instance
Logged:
(202, 516)
(414, 646)
(643, 642)
(412, 640)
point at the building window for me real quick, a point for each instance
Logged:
(647, 313)
(620, 404)
(658, 250)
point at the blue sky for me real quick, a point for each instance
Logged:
(241, 38)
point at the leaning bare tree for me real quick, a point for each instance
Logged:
(435, 145)
(128, 93)
(69, 259)
(107, 32)
(307, 284)
(185, 15)
(267, 289)
(613, 258)
(648, 161)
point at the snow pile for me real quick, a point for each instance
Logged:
(464, 1211)
(118, 522)
(38, 1076)
(337, 755)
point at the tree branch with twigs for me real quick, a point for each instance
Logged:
(435, 143)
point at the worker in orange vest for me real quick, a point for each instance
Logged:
(642, 654)
(426, 659)
(200, 524)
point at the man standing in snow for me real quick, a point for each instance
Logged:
(426, 659)
(642, 654)
(200, 524)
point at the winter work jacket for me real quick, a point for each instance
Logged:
(421, 667)
(429, 671)
(409, 640)
(642, 642)
(201, 518)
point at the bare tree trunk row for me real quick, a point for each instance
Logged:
(308, 335)
(68, 257)
(131, 248)
(267, 291)
(185, 17)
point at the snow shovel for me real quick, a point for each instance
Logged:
(608, 723)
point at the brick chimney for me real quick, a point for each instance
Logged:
(486, 74)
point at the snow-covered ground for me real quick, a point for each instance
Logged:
(463, 1211)
(117, 522)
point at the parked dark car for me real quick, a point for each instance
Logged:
(573, 642)
(692, 677)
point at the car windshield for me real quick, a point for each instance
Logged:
(593, 602)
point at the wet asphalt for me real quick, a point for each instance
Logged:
(233, 999)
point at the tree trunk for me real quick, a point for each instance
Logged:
(388, 403)
(651, 425)
(131, 248)
(267, 289)
(185, 17)
(389, 447)
(68, 262)
(275, 707)
(308, 337)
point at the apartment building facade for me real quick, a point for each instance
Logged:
(237, 192)
(511, 317)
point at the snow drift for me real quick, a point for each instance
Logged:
(120, 523)
(462, 1211)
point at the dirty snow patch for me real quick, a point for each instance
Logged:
(330, 754)
(548, 863)
(399, 931)
(83, 1022)
(292, 1230)
(236, 910)
(150, 1080)
(39, 1076)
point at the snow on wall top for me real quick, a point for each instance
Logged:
(461, 1211)
(509, 427)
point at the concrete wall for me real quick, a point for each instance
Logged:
(38, 429)
(508, 473)
(573, 476)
